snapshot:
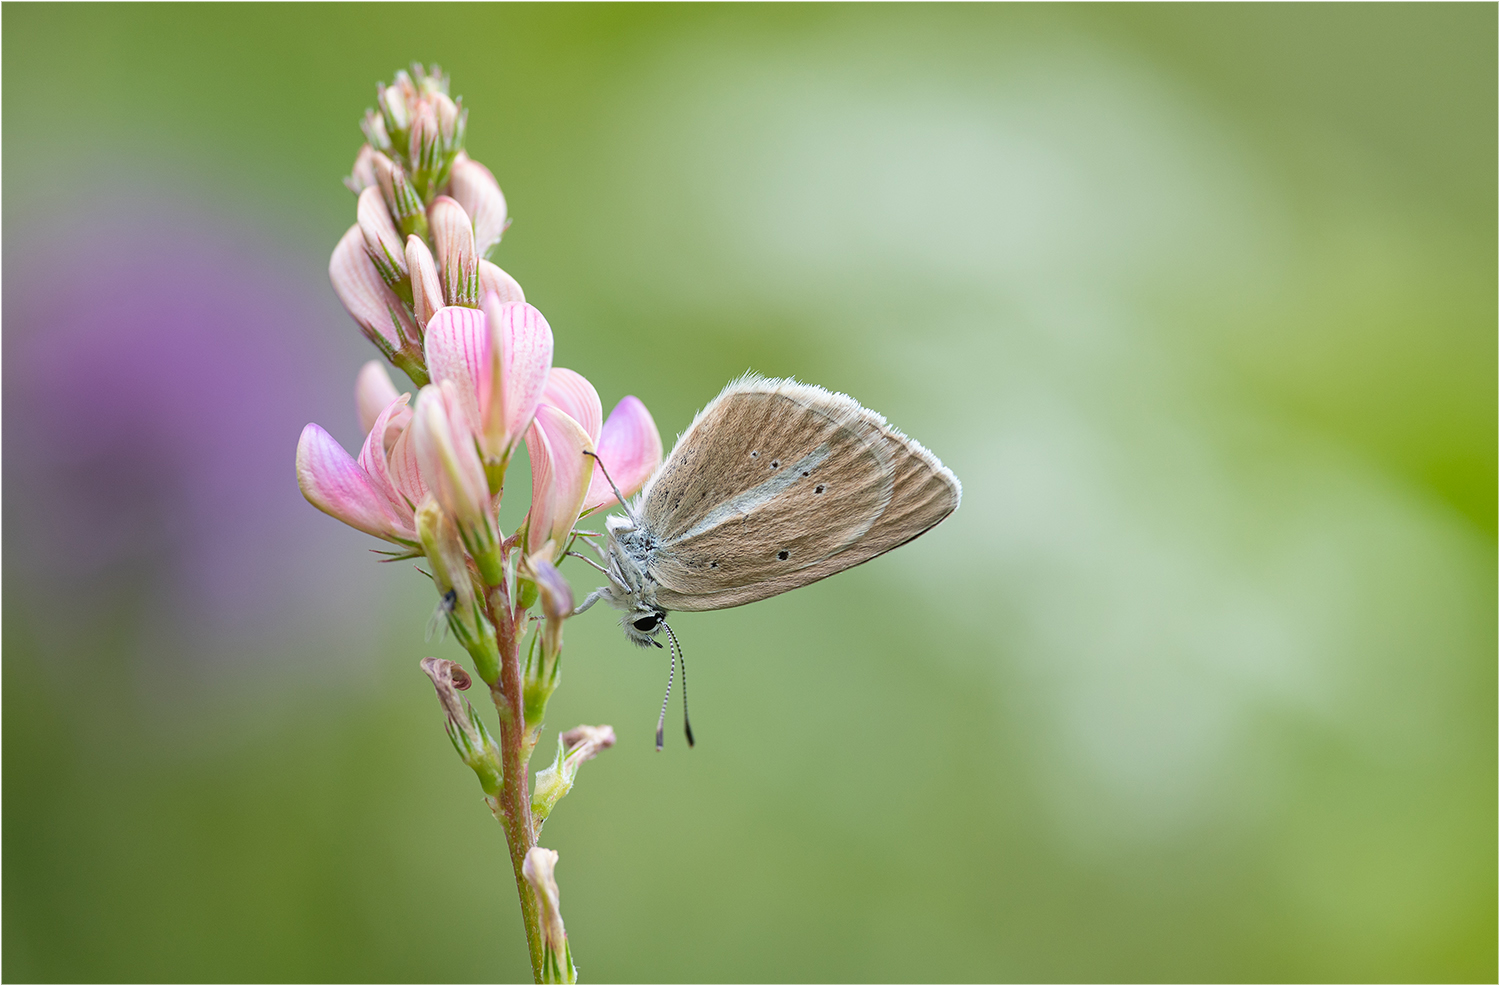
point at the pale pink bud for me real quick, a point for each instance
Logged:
(363, 175)
(476, 190)
(403, 202)
(493, 280)
(448, 116)
(426, 289)
(382, 242)
(334, 483)
(555, 593)
(373, 393)
(629, 448)
(560, 472)
(381, 315)
(453, 238)
(393, 104)
(374, 127)
(453, 472)
(520, 359)
(423, 145)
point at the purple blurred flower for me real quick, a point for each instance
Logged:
(148, 409)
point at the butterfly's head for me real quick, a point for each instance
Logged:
(643, 623)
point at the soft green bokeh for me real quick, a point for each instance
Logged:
(1199, 684)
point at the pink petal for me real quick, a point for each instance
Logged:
(426, 289)
(374, 457)
(559, 477)
(381, 315)
(630, 448)
(572, 394)
(334, 483)
(447, 460)
(405, 474)
(456, 349)
(373, 391)
(453, 242)
(520, 361)
(492, 278)
(477, 191)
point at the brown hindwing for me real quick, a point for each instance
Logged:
(778, 484)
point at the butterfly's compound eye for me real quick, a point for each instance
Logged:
(647, 623)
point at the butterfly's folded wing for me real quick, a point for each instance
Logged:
(778, 484)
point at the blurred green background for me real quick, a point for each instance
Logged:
(1199, 684)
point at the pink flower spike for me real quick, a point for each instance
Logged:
(559, 478)
(572, 394)
(456, 349)
(373, 391)
(479, 193)
(334, 483)
(520, 359)
(630, 448)
(381, 315)
(493, 279)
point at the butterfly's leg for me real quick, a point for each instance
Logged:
(583, 542)
(593, 597)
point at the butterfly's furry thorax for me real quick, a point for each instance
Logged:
(630, 550)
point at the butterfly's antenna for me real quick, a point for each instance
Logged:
(687, 724)
(613, 488)
(661, 720)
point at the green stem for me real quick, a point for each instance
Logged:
(515, 801)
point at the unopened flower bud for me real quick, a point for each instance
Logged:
(467, 731)
(381, 315)
(393, 105)
(574, 748)
(425, 148)
(382, 242)
(557, 958)
(453, 238)
(426, 289)
(363, 174)
(449, 117)
(373, 393)
(474, 188)
(401, 199)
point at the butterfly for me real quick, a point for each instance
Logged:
(775, 484)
